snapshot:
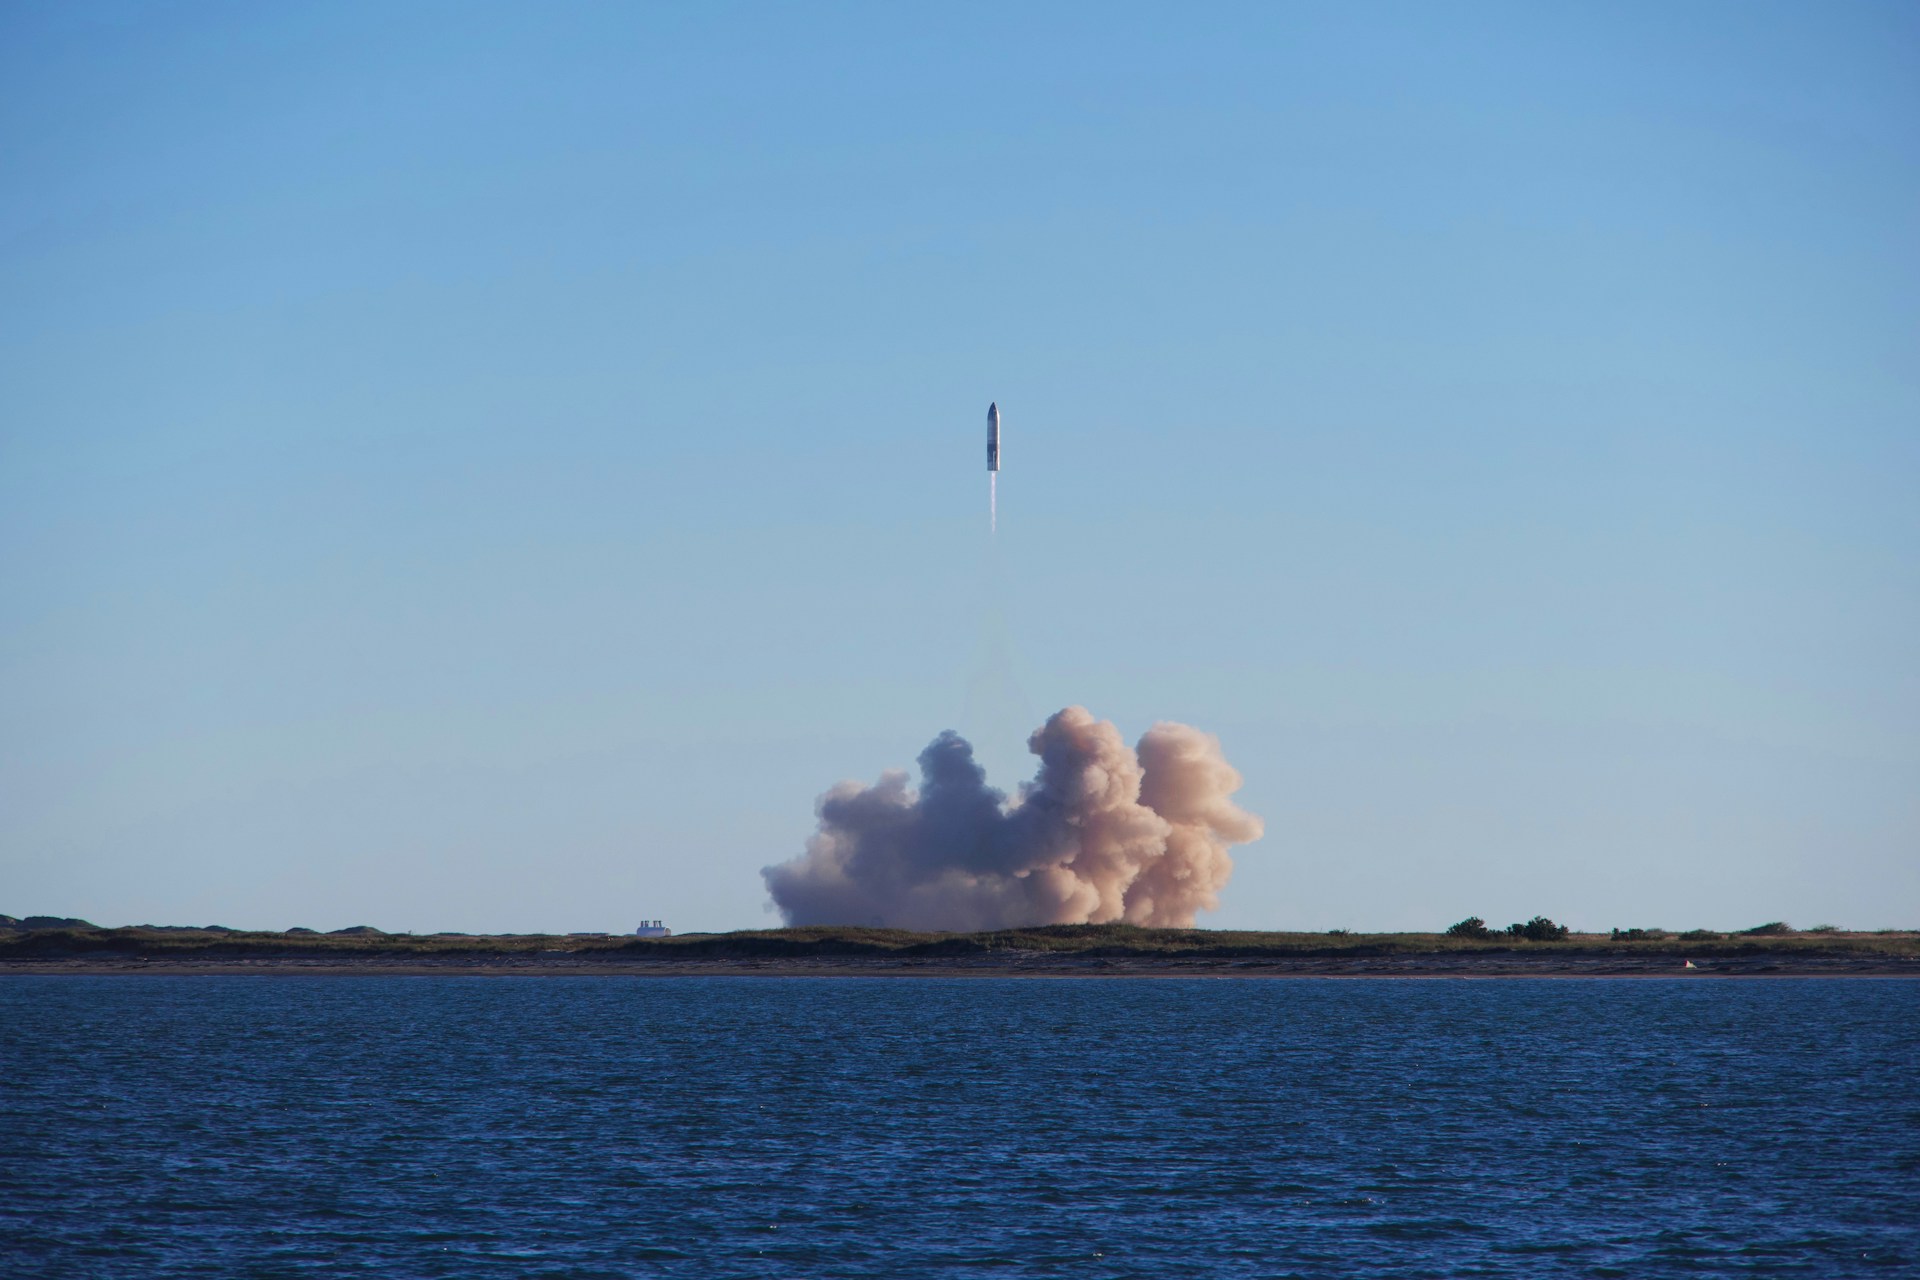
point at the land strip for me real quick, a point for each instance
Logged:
(1051, 951)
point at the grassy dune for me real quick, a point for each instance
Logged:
(1089, 941)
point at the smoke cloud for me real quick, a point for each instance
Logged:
(1102, 833)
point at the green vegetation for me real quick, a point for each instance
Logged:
(45, 922)
(1538, 929)
(1089, 941)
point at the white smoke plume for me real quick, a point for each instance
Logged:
(1102, 833)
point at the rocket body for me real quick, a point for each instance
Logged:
(993, 436)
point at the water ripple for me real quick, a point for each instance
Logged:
(581, 1127)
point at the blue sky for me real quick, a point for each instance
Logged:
(478, 466)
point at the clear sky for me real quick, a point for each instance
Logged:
(490, 466)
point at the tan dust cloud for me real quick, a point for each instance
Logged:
(1104, 832)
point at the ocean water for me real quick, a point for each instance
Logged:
(712, 1127)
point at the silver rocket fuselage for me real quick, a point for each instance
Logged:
(993, 436)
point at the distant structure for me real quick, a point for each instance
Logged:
(653, 929)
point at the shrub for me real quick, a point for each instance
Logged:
(1639, 935)
(1701, 935)
(1825, 928)
(1771, 929)
(1538, 929)
(1471, 927)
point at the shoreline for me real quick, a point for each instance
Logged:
(1440, 965)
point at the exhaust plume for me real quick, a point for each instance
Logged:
(1102, 833)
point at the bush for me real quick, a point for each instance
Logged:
(1639, 935)
(1771, 929)
(1538, 929)
(1701, 935)
(1472, 927)
(1825, 928)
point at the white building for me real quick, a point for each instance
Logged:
(653, 929)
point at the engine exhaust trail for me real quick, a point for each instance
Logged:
(993, 468)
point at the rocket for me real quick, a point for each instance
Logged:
(993, 437)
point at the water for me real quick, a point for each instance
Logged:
(585, 1127)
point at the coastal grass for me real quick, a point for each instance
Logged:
(1091, 941)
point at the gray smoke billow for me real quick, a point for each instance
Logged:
(1104, 832)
